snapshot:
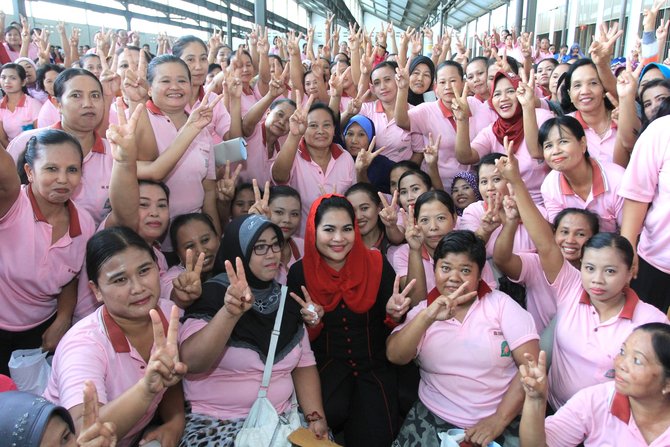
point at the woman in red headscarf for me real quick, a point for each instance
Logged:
(518, 119)
(343, 287)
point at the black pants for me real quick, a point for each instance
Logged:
(652, 286)
(11, 341)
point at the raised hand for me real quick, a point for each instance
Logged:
(365, 157)
(135, 85)
(311, 312)
(601, 50)
(662, 30)
(187, 287)
(399, 303)
(534, 376)
(413, 234)
(122, 136)
(431, 151)
(201, 116)
(459, 104)
(225, 186)
(261, 205)
(510, 210)
(164, 368)
(389, 212)
(416, 44)
(402, 76)
(525, 92)
(238, 298)
(298, 122)
(93, 432)
(444, 307)
(509, 166)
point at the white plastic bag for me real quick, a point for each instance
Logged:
(30, 370)
(265, 428)
(454, 437)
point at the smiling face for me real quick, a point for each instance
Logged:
(154, 214)
(563, 152)
(81, 104)
(320, 129)
(463, 194)
(638, 373)
(356, 139)
(409, 189)
(198, 236)
(335, 237)
(265, 266)
(504, 98)
(586, 91)
(571, 234)
(491, 183)
(195, 56)
(604, 273)
(56, 172)
(475, 74)
(277, 120)
(170, 88)
(652, 98)
(449, 81)
(420, 79)
(434, 221)
(367, 211)
(128, 284)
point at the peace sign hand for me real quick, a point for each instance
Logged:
(399, 303)
(525, 92)
(389, 212)
(413, 234)
(163, 368)
(225, 186)
(444, 307)
(238, 298)
(201, 116)
(311, 312)
(93, 432)
(459, 104)
(402, 76)
(366, 156)
(510, 210)
(626, 86)
(491, 218)
(534, 377)
(298, 121)
(509, 166)
(431, 151)
(122, 136)
(261, 205)
(187, 287)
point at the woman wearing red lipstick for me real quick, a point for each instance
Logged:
(596, 310)
(226, 335)
(44, 234)
(576, 179)
(634, 410)
(348, 286)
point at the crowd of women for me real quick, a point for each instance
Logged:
(451, 242)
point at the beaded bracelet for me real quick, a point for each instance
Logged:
(314, 416)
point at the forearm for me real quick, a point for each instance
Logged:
(401, 346)
(209, 203)
(416, 271)
(433, 171)
(401, 114)
(124, 195)
(634, 214)
(171, 409)
(255, 114)
(334, 106)
(394, 235)
(503, 254)
(161, 167)
(464, 152)
(531, 430)
(607, 78)
(308, 389)
(281, 169)
(66, 301)
(530, 129)
(263, 73)
(203, 348)
(512, 401)
(235, 112)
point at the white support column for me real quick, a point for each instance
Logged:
(599, 17)
(633, 25)
(572, 22)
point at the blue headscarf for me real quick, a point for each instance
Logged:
(363, 121)
(665, 70)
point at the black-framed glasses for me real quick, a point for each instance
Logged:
(262, 249)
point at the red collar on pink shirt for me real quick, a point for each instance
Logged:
(98, 145)
(276, 146)
(620, 407)
(116, 334)
(379, 107)
(21, 103)
(579, 118)
(75, 227)
(628, 308)
(598, 186)
(153, 108)
(483, 289)
(335, 150)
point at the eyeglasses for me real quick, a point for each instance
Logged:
(262, 249)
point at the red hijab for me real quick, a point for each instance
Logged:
(511, 127)
(357, 283)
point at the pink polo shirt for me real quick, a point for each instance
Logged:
(598, 416)
(197, 164)
(297, 249)
(540, 299)
(229, 389)
(309, 180)
(249, 98)
(600, 148)
(533, 170)
(22, 118)
(584, 347)
(400, 144)
(30, 284)
(400, 263)
(96, 172)
(220, 118)
(49, 114)
(604, 199)
(647, 179)
(259, 162)
(97, 349)
(466, 368)
(434, 117)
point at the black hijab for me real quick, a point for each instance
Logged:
(24, 418)
(415, 98)
(254, 328)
